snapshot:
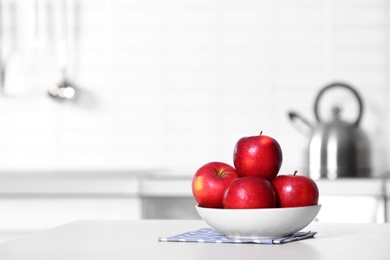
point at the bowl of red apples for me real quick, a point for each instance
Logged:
(252, 200)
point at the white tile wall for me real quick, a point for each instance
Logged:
(174, 84)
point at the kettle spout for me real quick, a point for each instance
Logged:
(300, 123)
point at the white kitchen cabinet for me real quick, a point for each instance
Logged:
(169, 208)
(387, 206)
(352, 200)
(167, 197)
(32, 202)
(37, 213)
(36, 201)
(343, 200)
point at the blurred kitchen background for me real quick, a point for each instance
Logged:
(161, 87)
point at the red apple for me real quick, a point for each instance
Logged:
(249, 193)
(295, 191)
(210, 182)
(259, 156)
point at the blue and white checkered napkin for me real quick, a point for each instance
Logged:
(209, 235)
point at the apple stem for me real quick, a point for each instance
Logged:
(261, 132)
(220, 174)
(295, 172)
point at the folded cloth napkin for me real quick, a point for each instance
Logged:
(209, 235)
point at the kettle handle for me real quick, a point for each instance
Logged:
(338, 84)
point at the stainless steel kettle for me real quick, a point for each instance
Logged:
(335, 149)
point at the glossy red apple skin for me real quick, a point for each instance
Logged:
(295, 191)
(259, 156)
(210, 183)
(249, 193)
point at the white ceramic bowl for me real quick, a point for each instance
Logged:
(258, 223)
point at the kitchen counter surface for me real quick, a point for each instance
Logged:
(181, 186)
(129, 239)
(71, 183)
(149, 183)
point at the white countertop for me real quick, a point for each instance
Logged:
(49, 183)
(138, 240)
(181, 186)
(149, 183)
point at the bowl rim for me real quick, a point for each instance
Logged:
(260, 209)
